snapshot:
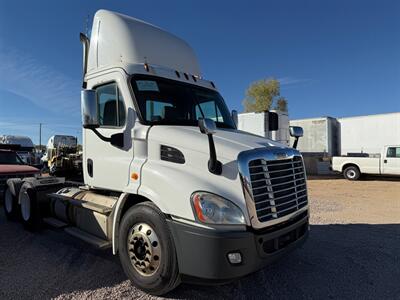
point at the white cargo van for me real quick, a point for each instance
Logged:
(169, 182)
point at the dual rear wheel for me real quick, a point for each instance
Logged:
(22, 207)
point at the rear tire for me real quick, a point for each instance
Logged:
(352, 173)
(10, 205)
(147, 250)
(30, 213)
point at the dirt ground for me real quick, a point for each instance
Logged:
(353, 252)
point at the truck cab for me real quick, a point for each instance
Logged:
(169, 182)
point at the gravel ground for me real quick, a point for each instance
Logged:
(353, 252)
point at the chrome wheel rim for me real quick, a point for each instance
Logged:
(144, 249)
(351, 173)
(8, 201)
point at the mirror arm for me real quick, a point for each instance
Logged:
(296, 140)
(116, 139)
(214, 165)
(100, 136)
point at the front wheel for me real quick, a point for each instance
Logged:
(147, 250)
(352, 173)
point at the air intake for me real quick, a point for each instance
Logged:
(172, 155)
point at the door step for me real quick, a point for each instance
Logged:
(88, 238)
(53, 222)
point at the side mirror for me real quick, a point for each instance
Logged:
(273, 121)
(207, 126)
(235, 117)
(89, 109)
(296, 131)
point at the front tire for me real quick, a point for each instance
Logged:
(147, 250)
(352, 173)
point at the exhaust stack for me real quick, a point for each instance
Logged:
(85, 46)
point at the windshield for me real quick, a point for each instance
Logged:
(10, 158)
(169, 102)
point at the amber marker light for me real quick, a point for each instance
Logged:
(197, 207)
(135, 176)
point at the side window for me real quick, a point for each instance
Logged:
(393, 152)
(110, 105)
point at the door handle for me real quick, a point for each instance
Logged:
(385, 161)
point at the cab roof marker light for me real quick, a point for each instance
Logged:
(186, 76)
(146, 67)
(177, 74)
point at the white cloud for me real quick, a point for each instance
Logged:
(290, 81)
(44, 86)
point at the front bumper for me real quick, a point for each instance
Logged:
(203, 253)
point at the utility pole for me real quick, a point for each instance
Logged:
(40, 137)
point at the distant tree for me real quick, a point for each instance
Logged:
(264, 95)
(281, 104)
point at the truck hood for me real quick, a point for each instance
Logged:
(228, 142)
(17, 169)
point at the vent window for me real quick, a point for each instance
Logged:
(172, 155)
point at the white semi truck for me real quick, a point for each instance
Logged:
(169, 182)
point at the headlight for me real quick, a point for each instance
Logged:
(212, 209)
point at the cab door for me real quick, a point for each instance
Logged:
(391, 161)
(107, 166)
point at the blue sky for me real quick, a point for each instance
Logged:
(338, 58)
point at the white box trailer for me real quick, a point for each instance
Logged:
(368, 134)
(321, 135)
(169, 182)
(259, 123)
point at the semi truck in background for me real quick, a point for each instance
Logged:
(63, 157)
(353, 165)
(23, 145)
(169, 182)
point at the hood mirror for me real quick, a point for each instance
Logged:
(296, 132)
(207, 126)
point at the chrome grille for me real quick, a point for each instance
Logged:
(278, 187)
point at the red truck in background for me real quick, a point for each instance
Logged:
(12, 167)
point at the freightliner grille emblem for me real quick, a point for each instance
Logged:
(280, 155)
